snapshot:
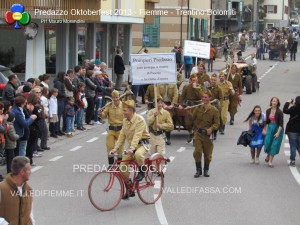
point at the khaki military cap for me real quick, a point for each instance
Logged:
(129, 104)
(115, 93)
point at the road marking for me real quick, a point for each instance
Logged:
(157, 184)
(287, 153)
(104, 133)
(143, 113)
(92, 140)
(286, 145)
(181, 149)
(36, 168)
(295, 173)
(286, 137)
(160, 212)
(172, 158)
(55, 158)
(75, 149)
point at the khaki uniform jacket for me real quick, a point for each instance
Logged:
(190, 93)
(216, 93)
(203, 78)
(133, 131)
(164, 119)
(114, 114)
(172, 92)
(237, 83)
(225, 87)
(206, 118)
(149, 95)
(15, 208)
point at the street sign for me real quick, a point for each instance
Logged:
(197, 49)
(153, 68)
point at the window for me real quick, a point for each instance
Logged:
(153, 31)
(271, 9)
(270, 25)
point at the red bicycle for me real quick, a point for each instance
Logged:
(107, 188)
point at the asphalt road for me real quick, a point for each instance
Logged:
(236, 193)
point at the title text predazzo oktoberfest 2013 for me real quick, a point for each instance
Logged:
(131, 12)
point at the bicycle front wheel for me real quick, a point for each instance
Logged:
(151, 188)
(105, 190)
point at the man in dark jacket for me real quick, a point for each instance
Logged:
(179, 57)
(119, 68)
(9, 91)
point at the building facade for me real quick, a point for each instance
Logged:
(174, 22)
(69, 32)
(276, 13)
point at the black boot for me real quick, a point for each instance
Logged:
(231, 120)
(215, 132)
(198, 170)
(206, 169)
(222, 130)
(141, 174)
(168, 138)
(110, 162)
(190, 138)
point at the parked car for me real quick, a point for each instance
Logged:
(4, 74)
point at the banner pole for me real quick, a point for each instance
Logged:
(155, 102)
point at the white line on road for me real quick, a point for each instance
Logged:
(160, 212)
(36, 168)
(287, 153)
(286, 137)
(181, 149)
(286, 145)
(75, 149)
(157, 184)
(104, 133)
(92, 140)
(295, 173)
(55, 158)
(172, 158)
(143, 113)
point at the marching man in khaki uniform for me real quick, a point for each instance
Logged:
(169, 94)
(206, 121)
(217, 95)
(159, 121)
(236, 80)
(191, 95)
(114, 113)
(135, 132)
(227, 90)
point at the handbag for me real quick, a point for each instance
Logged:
(245, 138)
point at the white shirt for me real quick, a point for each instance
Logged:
(45, 103)
(52, 106)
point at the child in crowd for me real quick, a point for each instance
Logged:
(10, 141)
(70, 116)
(53, 118)
(81, 104)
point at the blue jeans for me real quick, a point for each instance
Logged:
(294, 139)
(136, 89)
(22, 148)
(98, 104)
(188, 69)
(69, 123)
(80, 118)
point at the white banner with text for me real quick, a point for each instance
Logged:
(153, 68)
(197, 49)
